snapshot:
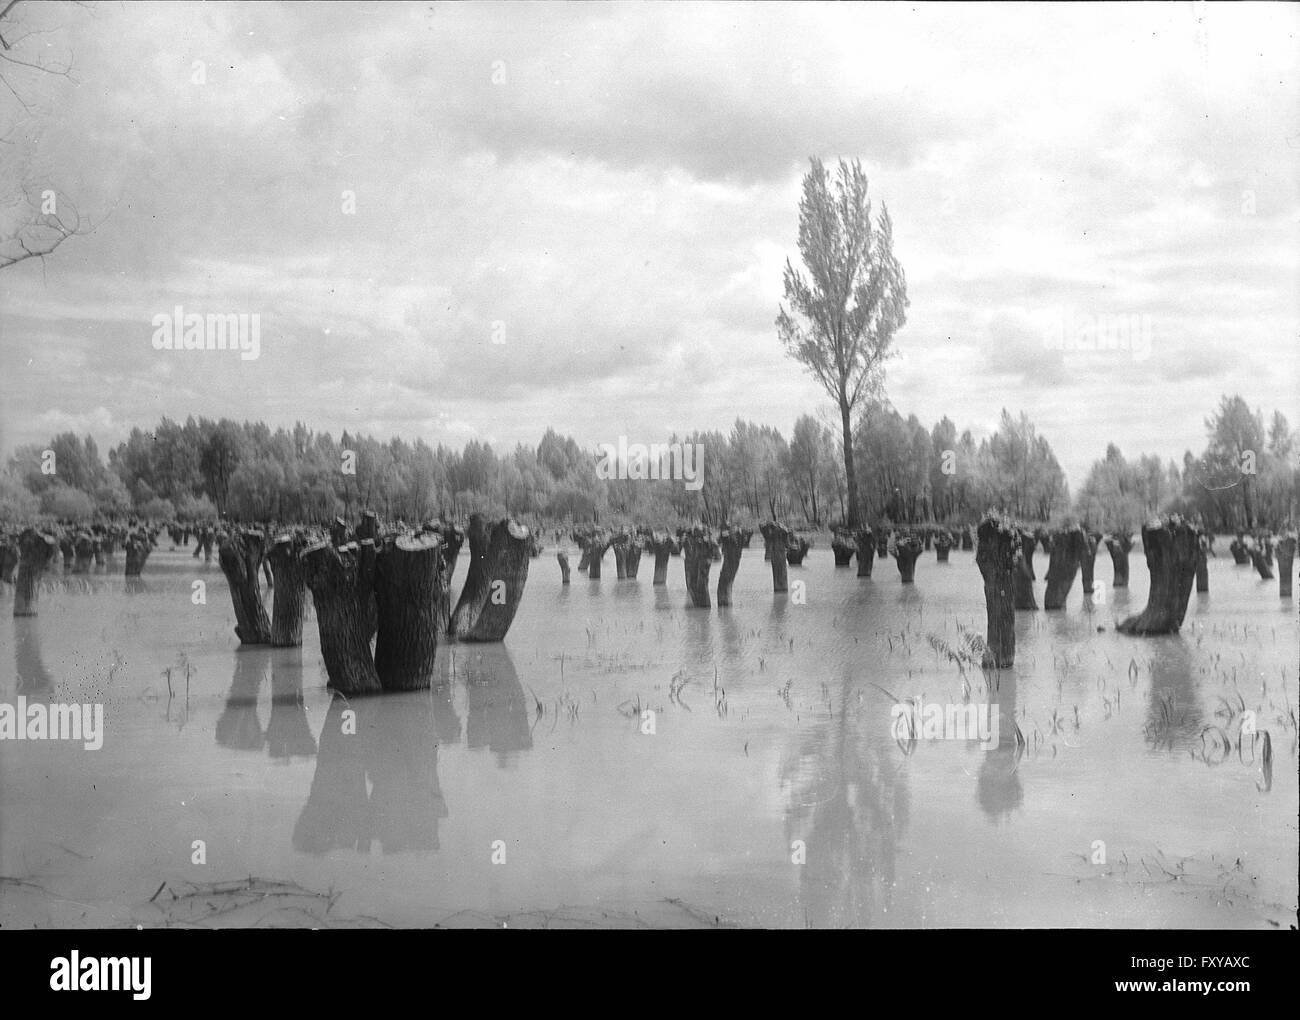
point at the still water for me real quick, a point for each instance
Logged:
(527, 790)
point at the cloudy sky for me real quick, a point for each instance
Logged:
(613, 189)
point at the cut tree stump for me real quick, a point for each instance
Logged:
(240, 556)
(452, 539)
(596, 546)
(289, 598)
(1087, 560)
(1170, 545)
(1118, 545)
(407, 586)
(698, 549)
(36, 552)
(663, 545)
(331, 575)
(733, 542)
(1285, 563)
(1068, 549)
(137, 548)
(999, 546)
(796, 549)
(1258, 558)
(1023, 576)
(866, 544)
(494, 586)
(843, 548)
(775, 537)
(906, 551)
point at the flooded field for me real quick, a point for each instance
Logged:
(526, 789)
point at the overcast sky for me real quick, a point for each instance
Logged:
(617, 187)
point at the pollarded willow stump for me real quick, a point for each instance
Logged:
(775, 537)
(8, 558)
(407, 587)
(498, 571)
(906, 551)
(866, 550)
(452, 539)
(1170, 546)
(1045, 538)
(942, 546)
(1118, 545)
(584, 547)
(85, 553)
(733, 542)
(240, 556)
(627, 555)
(999, 546)
(1202, 564)
(562, 559)
(663, 545)
(632, 558)
(1285, 563)
(1260, 561)
(596, 546)
(698, 549)
(927, 538)
(967, 542)
(843, 548)
(289, 601)
(882, 543)
(796, 549)
(1022, 578)
(137, 548)
(68, 550)
(1068, 549)
(340, 595)
(36, 552)
(1240, 555)
(1087, 560)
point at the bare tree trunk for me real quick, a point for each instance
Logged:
(1118, 545)
(68, 550)
(619, 544)
(1258, 558)
(240, 556)
(8, 558)
(850, 471)
(85, 553)
(906, 551)
(967, 542)
(698, 548)
(1068, 548)
(1285, 560)
(1023, 574)
(35, 554)
(289, 601)
(866, 543)
(733, 542)
(332, 576)
(452, 539)
(498, 571)
(563, 559)
(407, 588)
(663, 545)
(776, 536)
(1170, 547)
(999, 545)
(1088, 557)
(597, 544)
(635, 547)
(1202, 565)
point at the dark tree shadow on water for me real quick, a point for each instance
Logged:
(32, 679)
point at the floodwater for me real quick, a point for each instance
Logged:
(528, 789)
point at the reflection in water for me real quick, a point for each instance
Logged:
(388, 746)
(29, 671)
(849, 807)
(998, 788)
(238, 727)
(136, 586)
(1175, 716)
(498, 712)
(288, 734)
